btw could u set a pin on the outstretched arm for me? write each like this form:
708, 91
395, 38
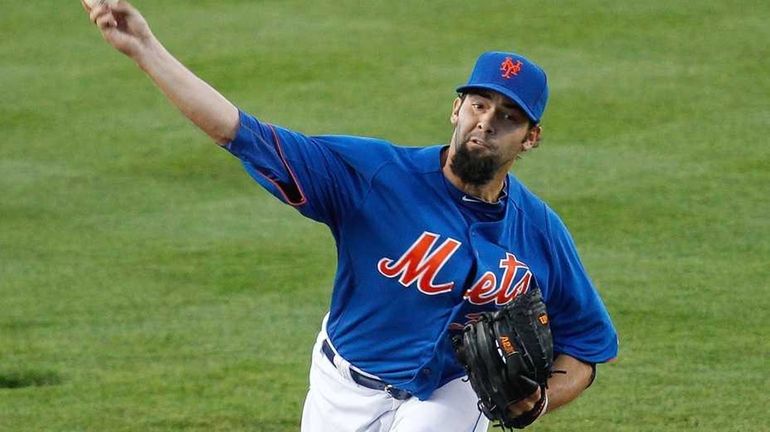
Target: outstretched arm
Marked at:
123, 27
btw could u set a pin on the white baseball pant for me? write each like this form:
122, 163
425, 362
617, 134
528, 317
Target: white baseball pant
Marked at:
335, 403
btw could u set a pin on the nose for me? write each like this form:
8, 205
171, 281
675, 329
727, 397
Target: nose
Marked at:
485, 122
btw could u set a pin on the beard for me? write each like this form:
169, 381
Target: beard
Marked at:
473, 169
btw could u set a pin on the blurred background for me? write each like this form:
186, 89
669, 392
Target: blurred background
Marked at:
147, 284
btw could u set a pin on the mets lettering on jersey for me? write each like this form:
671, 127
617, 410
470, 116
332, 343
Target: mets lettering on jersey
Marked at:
414, 263
420, 264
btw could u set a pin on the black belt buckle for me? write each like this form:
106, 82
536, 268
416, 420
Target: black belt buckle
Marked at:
396, 393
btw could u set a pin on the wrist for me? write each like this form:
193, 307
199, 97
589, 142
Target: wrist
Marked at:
149, 52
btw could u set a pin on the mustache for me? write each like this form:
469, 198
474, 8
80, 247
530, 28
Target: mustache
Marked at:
477, 139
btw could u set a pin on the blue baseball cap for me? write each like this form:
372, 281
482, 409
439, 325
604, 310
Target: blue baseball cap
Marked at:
515, 77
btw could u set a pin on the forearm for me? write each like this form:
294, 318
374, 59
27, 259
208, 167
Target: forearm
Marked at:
198, 101
565, 387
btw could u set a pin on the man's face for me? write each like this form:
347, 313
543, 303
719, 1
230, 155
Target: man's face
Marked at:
489, 133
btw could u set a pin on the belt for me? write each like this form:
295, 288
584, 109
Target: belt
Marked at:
365, 381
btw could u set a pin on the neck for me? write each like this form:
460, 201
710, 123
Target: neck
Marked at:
487, 192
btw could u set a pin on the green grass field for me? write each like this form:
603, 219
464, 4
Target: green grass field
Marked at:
147, 284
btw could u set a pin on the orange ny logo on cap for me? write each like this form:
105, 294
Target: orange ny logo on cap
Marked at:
509, 68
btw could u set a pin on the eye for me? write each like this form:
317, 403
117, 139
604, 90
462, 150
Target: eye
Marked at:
513, 118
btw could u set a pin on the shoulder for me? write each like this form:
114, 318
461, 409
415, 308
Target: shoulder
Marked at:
529, 206
357, 146
371, 154
537, 216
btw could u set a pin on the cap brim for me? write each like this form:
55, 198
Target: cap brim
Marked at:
503, 91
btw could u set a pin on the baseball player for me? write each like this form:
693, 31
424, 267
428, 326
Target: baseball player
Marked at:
427, 239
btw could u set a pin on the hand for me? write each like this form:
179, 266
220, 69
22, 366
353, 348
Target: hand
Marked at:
122, 26
525, 405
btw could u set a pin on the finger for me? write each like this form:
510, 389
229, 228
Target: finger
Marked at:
123, 7
520, 408
94, 4
98, 11
527, 404
106, 21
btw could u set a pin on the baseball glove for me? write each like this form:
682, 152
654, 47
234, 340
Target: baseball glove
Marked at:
508, 354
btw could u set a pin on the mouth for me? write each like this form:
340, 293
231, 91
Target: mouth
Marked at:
478, 142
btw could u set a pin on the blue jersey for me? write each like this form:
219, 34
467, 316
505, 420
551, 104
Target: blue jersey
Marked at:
416, 261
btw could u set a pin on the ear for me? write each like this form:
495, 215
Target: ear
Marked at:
455, 111
533, 137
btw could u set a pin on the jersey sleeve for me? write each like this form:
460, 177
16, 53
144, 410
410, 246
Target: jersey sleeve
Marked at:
580, 323
319, 176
